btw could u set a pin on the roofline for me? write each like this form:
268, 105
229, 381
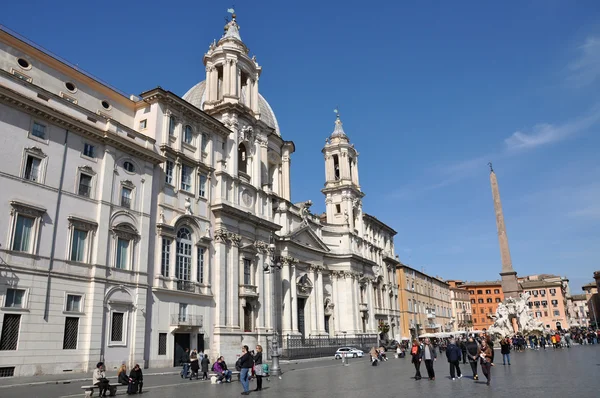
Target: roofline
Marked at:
381, 223
402, 265
36, 47
171, 95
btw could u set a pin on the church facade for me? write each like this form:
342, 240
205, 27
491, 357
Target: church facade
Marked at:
217, 255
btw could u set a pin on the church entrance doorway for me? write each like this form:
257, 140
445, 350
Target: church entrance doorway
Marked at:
301, 303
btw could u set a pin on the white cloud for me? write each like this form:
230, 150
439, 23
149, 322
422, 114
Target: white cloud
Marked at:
585, 70
543, 134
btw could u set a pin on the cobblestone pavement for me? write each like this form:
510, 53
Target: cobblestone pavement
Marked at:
549, 373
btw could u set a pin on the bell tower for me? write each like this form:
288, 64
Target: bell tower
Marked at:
231, 75
342, 191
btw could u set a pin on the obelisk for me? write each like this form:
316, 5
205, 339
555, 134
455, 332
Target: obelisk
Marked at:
510, 284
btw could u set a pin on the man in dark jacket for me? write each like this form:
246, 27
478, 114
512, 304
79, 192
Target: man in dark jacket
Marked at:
245, 363
453, 353
473, 352
463, 349
185, 361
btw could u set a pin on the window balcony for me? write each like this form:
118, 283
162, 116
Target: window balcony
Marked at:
431, 315
186, 320
186, 286
248, 291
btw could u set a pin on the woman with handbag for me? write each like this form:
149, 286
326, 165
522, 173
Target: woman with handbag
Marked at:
258, 369
486, 356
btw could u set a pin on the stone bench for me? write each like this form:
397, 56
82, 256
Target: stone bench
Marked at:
89, 390
233, 373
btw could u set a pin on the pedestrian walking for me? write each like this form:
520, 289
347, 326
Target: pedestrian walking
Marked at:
505, 351
486, 361
453, 354
415, 353
473, 352
429, 355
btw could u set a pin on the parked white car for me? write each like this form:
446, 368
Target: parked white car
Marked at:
349, 352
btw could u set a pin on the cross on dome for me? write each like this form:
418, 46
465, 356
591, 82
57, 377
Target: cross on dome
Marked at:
338, 131
232, 29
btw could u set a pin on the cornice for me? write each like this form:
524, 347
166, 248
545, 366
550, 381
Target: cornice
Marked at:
160, 95
14, 99
244, 215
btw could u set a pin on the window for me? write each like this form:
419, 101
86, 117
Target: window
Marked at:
202, 190
122, 253
480, 301
535, 293
553, 291
33, 168
74, 303
106, 105
472, 301
474, 320
165, 257
188, 134
554, 303
496, 291
71, 86
15, 298
143, 124
544, 303
128, 166
336, 167
538, 314
242, 158
23, 236
162, 344
543, 292
85, 185
89, 150
172, 124
183, 312
169, 172
480, 292
201, 252
38, 130
23, 63
488, 291
117, 326
126, 197
71, 332
184, 254
204, 142
10, 332
338, 210
78, 245
186, 178
471, 291
489, 300
498, 299
247, 272
536, 303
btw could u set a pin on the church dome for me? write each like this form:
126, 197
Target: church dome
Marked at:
197, 95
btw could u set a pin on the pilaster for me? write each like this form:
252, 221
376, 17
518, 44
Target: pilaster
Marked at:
294, 298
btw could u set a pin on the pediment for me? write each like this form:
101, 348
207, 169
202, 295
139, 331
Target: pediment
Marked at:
306, 237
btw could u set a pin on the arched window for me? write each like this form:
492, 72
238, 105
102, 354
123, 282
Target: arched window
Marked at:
172, 124
188, 135
336, 166
242, 158
184, 254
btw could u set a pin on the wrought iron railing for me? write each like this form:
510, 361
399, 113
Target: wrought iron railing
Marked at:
186, 320
298, 347
186, 286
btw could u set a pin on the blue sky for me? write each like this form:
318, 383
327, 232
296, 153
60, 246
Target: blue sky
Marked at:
429, 92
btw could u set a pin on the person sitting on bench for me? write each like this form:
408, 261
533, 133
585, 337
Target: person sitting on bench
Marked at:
122, 377
136, 380
226, 372
99, 379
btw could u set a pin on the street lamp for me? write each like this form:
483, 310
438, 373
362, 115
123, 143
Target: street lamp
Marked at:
272, 268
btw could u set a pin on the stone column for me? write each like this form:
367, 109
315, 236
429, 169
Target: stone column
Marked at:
320, 302
335, 298
314, 300
370, 305
344, 166
234, 272
285, 189
294, 300
220, 290
286, 326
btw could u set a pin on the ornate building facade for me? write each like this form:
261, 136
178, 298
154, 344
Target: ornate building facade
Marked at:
176, 210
